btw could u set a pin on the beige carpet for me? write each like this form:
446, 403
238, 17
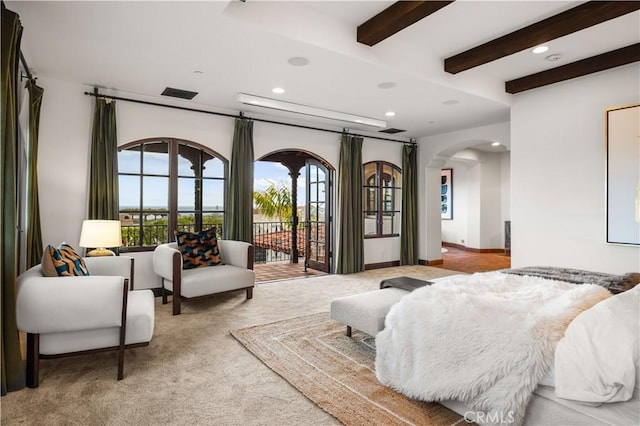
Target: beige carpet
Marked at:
193, 372
337, 372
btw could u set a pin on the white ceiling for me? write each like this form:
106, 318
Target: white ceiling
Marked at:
136, 49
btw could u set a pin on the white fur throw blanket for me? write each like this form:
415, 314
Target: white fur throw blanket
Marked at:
485, 339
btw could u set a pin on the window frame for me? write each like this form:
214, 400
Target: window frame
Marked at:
173, 209
379, 188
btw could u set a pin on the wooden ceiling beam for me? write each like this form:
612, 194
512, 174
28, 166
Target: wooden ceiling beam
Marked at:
395, 18
568, 22
605, 61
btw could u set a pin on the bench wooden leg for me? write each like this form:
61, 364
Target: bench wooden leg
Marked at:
349, 331
250, 293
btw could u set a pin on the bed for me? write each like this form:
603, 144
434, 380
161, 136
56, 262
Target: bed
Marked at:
475, 344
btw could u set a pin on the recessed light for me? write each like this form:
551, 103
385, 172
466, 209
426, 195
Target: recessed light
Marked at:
495, 144
390, 114
540, 49
298, 61
386, 85
553, 58
278, 90
451, 102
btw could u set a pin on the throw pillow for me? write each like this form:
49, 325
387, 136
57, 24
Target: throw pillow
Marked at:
198, 250
47, 266
64, 261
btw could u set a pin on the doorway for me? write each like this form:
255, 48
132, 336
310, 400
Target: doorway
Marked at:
303, 234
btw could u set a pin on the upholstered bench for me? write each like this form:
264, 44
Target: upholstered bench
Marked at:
366, 311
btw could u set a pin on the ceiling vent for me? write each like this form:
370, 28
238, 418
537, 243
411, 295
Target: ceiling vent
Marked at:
179, 93
392, 131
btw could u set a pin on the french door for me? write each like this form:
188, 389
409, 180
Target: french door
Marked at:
318, 216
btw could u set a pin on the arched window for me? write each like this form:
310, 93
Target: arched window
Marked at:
383, 199
166, 185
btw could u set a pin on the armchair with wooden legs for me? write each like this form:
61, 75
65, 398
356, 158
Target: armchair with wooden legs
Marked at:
65, 316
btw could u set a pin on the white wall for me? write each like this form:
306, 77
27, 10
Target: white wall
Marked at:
480, 199
558, 173
63, 160
491, 226
65, 130
505, 186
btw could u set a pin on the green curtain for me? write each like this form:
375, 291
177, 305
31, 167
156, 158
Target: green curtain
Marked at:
350, 253
13, 377
409, 224
34, 231
103, 176
239, 220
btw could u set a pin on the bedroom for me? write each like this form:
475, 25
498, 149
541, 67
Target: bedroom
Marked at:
554, 144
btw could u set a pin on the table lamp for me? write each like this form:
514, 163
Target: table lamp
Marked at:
99, 234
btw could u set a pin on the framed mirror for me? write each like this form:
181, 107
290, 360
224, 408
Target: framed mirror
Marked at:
622, 127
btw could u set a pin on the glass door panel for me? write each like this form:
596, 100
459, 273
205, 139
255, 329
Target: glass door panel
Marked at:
317, 205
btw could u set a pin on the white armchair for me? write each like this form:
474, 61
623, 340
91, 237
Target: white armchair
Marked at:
236, 272
76, 315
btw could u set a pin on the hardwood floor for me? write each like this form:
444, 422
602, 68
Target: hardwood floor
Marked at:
456, 259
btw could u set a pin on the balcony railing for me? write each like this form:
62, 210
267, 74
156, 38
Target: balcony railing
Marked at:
272, 241
152, 235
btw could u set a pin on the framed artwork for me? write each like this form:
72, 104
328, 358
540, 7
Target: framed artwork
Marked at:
623, 174
446, 194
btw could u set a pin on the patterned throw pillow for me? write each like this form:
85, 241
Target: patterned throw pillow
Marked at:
64, 261
198, 250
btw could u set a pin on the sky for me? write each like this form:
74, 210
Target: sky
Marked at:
266, 172
156, 188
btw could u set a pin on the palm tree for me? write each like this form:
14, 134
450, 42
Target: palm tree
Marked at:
275, 201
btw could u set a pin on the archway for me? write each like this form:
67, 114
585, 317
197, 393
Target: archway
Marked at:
307, 233
480, 172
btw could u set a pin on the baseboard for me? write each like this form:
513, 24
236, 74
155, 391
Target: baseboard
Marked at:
381, 265
474, 250
432, 262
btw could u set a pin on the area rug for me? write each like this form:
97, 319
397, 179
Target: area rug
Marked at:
337, 372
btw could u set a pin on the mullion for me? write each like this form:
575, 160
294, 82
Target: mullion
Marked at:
172, 220
140, 205
379, 170
199, 188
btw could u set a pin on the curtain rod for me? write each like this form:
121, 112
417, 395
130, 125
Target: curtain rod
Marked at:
240, 115
26, 69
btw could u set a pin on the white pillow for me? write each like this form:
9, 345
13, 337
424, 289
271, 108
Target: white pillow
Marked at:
598, 358
549, 379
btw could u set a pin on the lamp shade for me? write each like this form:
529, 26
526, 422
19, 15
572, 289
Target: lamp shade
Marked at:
101, 233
